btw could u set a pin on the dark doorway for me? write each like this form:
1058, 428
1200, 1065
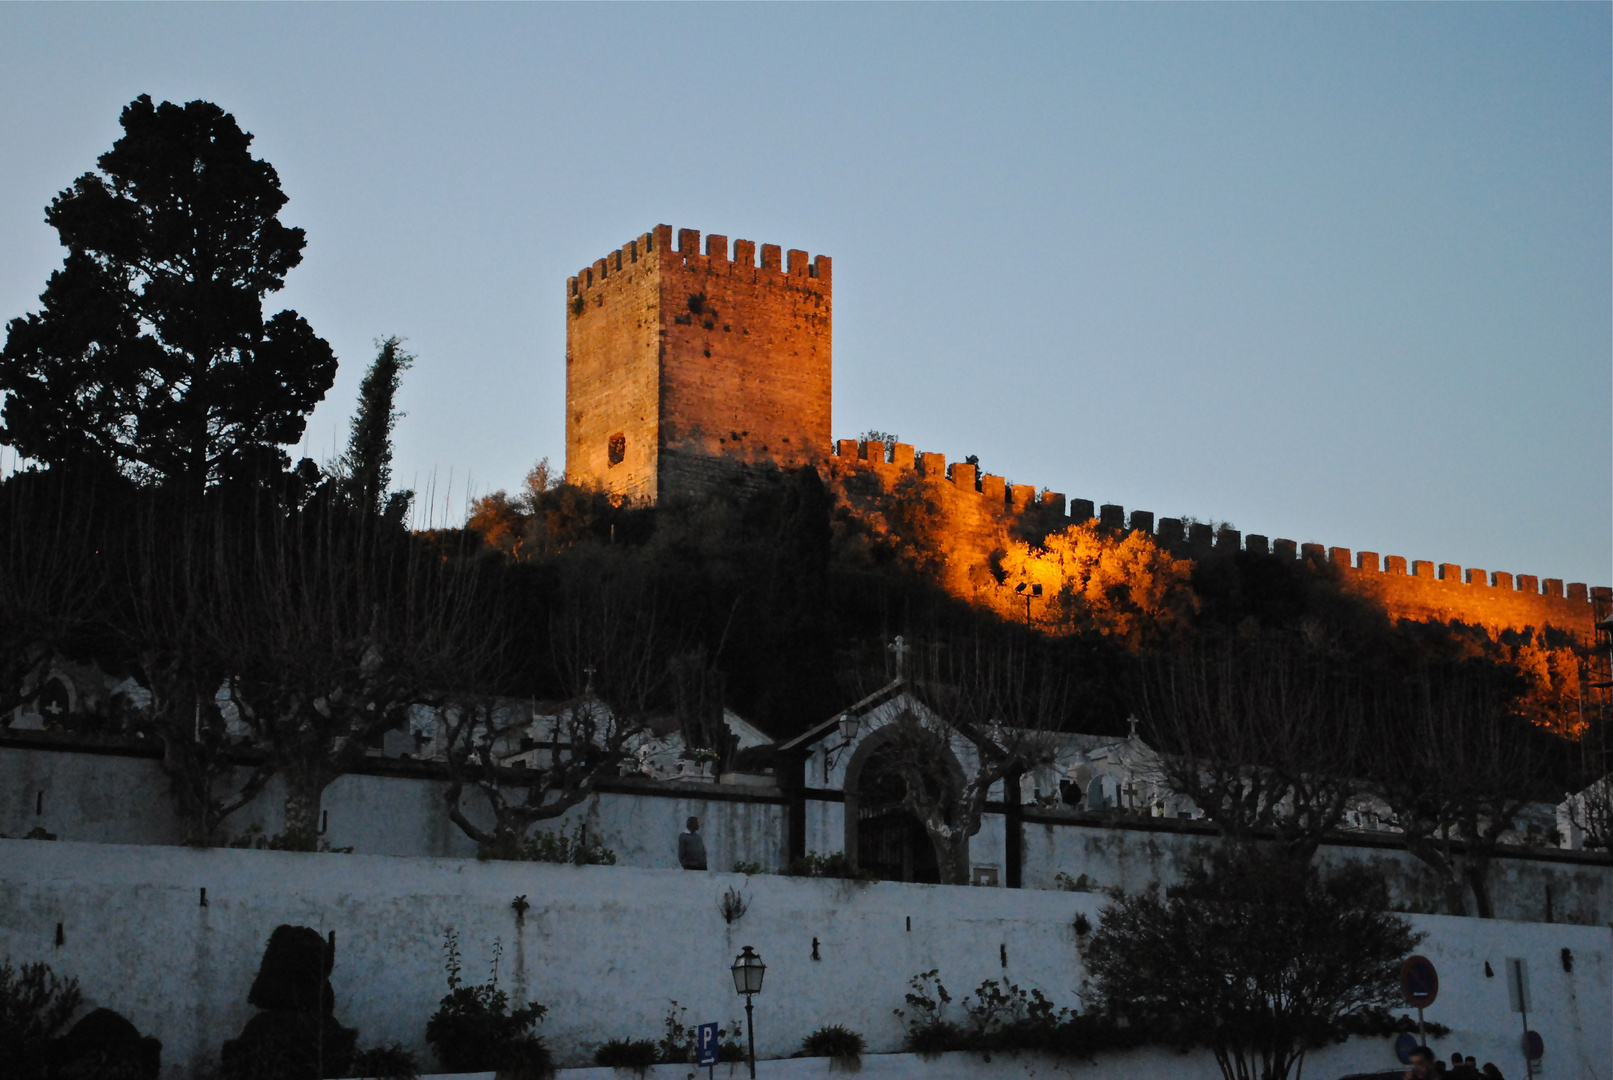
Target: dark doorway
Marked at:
891, 843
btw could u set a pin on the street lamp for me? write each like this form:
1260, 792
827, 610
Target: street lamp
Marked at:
748, 970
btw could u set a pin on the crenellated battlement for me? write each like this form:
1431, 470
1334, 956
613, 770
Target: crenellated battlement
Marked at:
1418, 588
690, 358
776, 263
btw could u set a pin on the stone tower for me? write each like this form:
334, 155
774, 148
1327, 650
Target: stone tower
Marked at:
682, 365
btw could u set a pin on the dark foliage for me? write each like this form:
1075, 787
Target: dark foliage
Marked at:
676, 1046
386, 1063
1256, 958
1001, 1017
545, 846
105, 1046
35, 1004
52, 578
475, 1030
637, 1054
365, 471
834, 865
151, 355
289, 1046
835, 1041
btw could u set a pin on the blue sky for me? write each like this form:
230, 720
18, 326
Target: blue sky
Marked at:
1339, 273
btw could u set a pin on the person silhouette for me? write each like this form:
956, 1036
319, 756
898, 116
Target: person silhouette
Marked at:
691, 849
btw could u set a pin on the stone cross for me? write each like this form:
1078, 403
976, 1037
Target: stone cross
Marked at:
899, 647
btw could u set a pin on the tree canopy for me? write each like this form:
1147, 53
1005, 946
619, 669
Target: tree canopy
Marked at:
365, 471
151, 355
1255, 957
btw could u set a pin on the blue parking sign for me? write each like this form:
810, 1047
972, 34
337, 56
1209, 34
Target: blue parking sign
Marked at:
706, 1044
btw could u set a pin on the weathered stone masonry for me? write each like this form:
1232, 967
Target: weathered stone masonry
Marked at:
680, 365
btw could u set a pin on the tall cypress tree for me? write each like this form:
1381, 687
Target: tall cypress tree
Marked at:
366, 468
152, 355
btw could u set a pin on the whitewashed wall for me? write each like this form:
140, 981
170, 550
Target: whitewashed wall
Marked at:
607, 947
108, 798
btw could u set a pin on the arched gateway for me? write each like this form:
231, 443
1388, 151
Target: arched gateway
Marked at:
882, 837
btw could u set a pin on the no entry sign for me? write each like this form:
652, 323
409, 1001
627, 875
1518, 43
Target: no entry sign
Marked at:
1419, 982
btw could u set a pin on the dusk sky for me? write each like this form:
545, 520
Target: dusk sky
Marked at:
1337, 273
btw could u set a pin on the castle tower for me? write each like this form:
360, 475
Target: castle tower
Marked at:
682, 365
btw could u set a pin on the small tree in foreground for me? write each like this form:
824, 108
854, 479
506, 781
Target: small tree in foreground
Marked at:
1256, 957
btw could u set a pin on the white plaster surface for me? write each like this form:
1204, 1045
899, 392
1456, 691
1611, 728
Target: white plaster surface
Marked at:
108, 798
606, 948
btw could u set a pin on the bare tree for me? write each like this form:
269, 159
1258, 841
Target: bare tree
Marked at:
51, 578
1456, 764
609, 645
172, 593
335, 626
1263, 733
993, 708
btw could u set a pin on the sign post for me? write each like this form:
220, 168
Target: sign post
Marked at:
706, 1046
1518, 995
1419, 985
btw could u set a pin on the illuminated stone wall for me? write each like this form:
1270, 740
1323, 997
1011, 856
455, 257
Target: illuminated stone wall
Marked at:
695, 362
965, 516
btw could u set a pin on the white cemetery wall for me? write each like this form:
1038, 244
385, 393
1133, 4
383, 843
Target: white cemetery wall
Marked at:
1129, 856
115, 798
607, 948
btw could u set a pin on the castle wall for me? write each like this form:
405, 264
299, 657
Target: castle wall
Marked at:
697, 360
969, 516
606, 948
613, 344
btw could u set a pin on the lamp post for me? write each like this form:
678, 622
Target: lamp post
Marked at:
1035, 592
748, 970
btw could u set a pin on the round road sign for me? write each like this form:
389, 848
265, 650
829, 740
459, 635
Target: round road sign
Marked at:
1404, 1045
1419, 982
1534, 1047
